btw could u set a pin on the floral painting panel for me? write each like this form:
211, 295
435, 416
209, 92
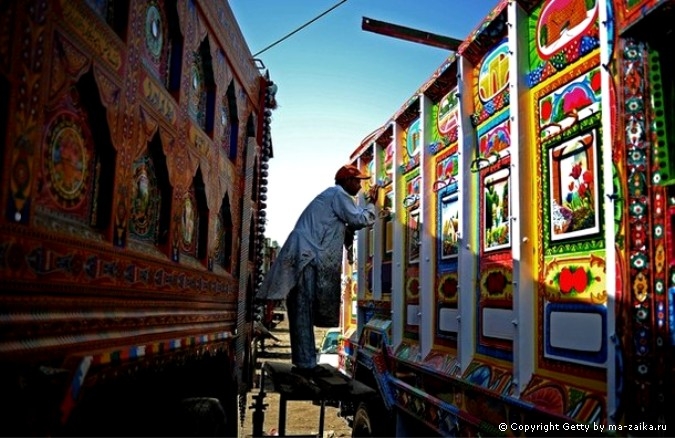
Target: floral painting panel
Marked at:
574, 187
387, 170
413, 236
449, 222
496, 211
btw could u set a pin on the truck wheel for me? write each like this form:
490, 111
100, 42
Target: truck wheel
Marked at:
364, 426
203, 416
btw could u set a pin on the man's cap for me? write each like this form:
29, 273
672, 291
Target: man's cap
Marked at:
349, 171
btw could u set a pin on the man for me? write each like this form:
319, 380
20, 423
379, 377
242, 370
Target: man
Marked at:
307, 270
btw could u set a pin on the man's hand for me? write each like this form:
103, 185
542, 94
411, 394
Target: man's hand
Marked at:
373, 194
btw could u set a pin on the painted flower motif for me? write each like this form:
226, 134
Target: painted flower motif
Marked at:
549, 398
484, 145
639, 261
595, 81
573, 279
579, 201
631, 53
633, 104
546, 109
576, 171
449, 287
495, 283
575, 99
636, 157
413, 287
637, 209
588, 177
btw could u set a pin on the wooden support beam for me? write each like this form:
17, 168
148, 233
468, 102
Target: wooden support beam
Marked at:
409, 34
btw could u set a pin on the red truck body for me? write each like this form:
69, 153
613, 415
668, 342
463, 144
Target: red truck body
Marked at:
135, 141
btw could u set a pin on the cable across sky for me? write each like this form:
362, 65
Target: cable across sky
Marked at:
300, 28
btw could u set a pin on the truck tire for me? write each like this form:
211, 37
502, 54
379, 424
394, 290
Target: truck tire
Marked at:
364, 426
202, 416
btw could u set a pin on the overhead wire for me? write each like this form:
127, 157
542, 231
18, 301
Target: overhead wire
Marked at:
300, 28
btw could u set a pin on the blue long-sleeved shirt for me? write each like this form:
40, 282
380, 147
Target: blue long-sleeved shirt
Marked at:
317, 238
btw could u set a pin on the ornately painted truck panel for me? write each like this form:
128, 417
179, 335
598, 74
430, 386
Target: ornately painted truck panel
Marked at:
135, 138
521, 270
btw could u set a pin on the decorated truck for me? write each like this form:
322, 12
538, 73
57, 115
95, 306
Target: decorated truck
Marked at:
135, 147
519, 279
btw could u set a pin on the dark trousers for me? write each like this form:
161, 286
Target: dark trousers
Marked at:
301, 319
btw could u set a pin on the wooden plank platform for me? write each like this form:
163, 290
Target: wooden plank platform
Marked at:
294, 386
335, 386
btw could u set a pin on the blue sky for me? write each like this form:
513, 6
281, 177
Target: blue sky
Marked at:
338, 83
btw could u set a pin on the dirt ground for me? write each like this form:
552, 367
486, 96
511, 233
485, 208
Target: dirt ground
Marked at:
302, 417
